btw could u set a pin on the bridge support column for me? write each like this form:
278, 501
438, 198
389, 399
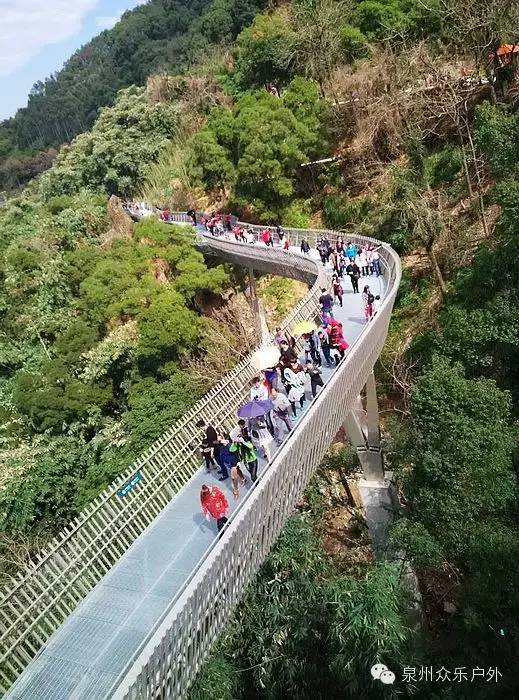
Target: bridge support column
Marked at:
253, 292
263, 331
363, 430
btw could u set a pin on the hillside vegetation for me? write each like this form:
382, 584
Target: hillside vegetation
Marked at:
103, 337
157, 35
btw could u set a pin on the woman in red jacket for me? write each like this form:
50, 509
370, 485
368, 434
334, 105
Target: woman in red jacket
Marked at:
214, 504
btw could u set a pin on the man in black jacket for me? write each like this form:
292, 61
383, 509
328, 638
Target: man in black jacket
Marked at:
353, 272
211, 438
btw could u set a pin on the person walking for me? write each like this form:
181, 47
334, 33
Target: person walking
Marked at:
214, 505
337, 341
238, 429
280, 234
363, 264
207, 453
271, 377
261, 437
376, 305
210, 444
353, 272
245, 448
325, 346
375, 262
258, 390
351, 251
337, 291
288, 355
312, 348
266, 237
315, 377
322, 250
342, 264
326, 301
367, 302
369, 258
280, 414
305, 247
227, 458
284, 337
327, 247
334, 261
295, 379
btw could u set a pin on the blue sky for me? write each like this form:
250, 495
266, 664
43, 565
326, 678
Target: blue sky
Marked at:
37, 36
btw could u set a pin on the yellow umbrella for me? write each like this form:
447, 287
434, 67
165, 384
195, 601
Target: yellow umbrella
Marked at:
304, 327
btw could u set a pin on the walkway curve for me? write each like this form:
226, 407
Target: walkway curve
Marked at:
40, 599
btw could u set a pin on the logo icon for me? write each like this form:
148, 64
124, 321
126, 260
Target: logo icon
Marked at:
380, 672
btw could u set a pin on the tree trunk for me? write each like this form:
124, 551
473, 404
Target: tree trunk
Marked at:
481, 205
436, 268
466, 166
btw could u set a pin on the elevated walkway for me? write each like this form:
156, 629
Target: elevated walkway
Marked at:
166, 584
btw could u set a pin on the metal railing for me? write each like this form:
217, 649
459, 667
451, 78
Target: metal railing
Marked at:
39, 599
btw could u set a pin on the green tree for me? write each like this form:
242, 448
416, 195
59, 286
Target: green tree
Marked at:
167, 328
317, 26
263, 53
211, 162
381, 20
266, 139
43, 498
55, 400
354, 44
154, 406
460, 448
113, 156
366, 626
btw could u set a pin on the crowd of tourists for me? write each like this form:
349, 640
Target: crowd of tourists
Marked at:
280, 392
284, 389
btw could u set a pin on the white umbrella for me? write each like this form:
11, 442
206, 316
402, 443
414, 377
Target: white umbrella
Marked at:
265, 357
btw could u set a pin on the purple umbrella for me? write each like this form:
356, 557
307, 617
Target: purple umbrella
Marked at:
255, 409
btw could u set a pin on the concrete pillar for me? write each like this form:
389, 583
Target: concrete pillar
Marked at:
361, 435
261, 321
373, 422
253, 291
353, 428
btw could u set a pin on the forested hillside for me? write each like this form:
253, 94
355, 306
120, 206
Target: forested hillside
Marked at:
158, 35
105, 334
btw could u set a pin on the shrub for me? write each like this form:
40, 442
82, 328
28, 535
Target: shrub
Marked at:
297, 214
354, 43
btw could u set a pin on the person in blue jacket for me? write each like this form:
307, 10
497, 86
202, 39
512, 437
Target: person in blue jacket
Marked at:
351, 251
228, 459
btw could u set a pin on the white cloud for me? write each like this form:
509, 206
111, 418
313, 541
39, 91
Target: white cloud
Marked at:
107, 21
26, 26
